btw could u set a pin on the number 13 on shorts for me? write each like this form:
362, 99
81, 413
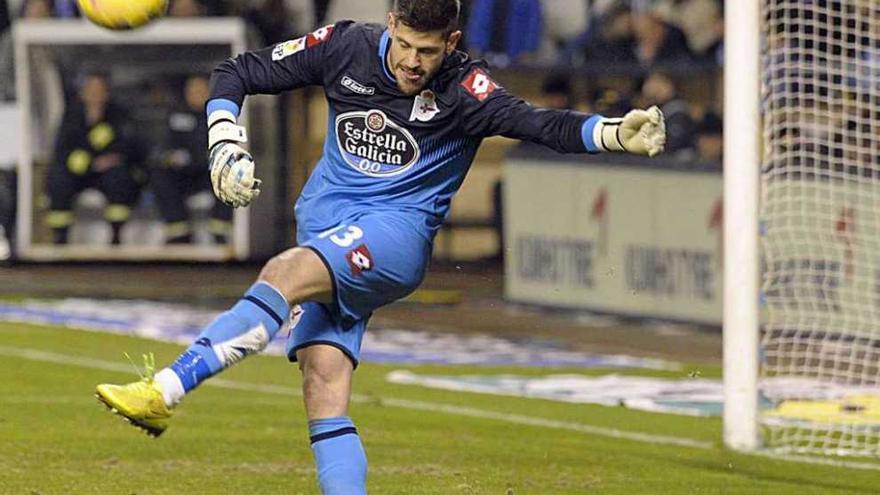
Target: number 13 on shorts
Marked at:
344, 235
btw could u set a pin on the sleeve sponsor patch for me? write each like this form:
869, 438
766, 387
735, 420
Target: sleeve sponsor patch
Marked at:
479, 84
287, 48
319, 35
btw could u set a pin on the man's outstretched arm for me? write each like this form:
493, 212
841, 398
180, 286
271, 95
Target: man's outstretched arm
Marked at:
287, 65
491, 111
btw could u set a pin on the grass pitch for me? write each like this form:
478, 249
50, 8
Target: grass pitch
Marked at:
248, 434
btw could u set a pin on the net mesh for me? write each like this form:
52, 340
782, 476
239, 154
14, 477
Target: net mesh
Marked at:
820, 226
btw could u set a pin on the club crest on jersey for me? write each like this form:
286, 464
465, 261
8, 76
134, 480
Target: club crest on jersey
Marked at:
424, 107
296, 313
374, 145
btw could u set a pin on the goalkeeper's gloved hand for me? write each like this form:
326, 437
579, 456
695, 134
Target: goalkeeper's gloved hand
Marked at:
232, 167
641, 132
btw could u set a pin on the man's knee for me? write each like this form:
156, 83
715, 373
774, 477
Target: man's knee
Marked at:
324, 366
281, 267
319, 380
299, 275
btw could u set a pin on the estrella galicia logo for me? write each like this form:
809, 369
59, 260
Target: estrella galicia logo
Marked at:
374, 145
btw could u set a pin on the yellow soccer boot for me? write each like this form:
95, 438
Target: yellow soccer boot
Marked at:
140, 403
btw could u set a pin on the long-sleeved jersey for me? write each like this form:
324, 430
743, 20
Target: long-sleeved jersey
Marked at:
384, 150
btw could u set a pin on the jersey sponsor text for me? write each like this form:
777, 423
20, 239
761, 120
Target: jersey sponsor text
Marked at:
374, 145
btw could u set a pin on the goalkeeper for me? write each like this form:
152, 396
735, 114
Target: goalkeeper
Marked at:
407, 114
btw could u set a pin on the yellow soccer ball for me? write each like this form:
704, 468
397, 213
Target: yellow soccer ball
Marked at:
122, 14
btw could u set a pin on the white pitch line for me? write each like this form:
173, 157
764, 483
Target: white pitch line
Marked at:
545, 423
71, 360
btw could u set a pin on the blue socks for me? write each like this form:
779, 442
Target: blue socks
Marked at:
245, 329
339, 456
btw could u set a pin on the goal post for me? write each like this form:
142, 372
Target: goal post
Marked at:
742, 160
802, 227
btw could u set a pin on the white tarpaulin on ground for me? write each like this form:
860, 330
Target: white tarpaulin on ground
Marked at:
688, 396
695, 397
181, 324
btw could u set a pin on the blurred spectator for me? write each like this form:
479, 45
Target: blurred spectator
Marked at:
611, 101
321, 8
5, 18
357, 10
710, 139
187, 8
556, 92
10, 132
657, 41
65, 9
216, 7
9, 110
30, 9
306, 15
659, 89
700, 20
7, 210
92, 151
609, 39
37, 8
272, 19
280, 20
504, 31
182, 171
564, 20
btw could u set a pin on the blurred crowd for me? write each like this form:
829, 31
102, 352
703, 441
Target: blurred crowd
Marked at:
644, 32
616, 55
97, 148
693, 128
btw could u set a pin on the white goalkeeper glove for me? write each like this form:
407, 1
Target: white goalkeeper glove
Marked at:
232, 167
640, 132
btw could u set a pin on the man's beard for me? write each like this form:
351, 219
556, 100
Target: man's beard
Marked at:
410, 86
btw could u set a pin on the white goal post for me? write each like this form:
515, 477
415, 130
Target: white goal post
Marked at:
741, 168
802, 227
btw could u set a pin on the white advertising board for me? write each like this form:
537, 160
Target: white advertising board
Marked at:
626, 240
821, 242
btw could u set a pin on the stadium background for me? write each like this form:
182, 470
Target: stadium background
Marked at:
521, 226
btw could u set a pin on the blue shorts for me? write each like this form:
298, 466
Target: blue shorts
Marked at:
373, 260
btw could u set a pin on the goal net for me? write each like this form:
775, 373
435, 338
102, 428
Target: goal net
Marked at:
820, 227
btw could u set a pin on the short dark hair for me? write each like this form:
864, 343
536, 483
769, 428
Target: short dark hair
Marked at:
428, 15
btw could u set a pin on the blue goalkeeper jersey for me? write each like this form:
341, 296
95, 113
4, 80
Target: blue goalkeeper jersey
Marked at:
384, 150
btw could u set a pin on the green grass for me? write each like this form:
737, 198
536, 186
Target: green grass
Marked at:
56, 439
